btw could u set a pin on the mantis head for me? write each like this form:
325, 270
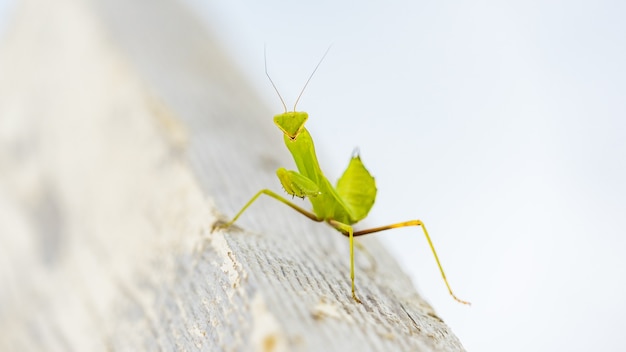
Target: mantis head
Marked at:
291, 123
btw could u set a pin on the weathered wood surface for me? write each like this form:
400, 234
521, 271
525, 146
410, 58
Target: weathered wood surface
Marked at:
125, 133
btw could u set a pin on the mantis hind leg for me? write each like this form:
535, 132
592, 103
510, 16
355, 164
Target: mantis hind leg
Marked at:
348, 231
275, 196
430, 243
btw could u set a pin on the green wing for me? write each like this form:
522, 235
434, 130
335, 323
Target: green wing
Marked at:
357, 189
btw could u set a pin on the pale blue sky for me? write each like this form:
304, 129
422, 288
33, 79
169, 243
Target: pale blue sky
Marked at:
500, 125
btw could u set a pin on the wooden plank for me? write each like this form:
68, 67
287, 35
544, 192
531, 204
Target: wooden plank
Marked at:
125, 134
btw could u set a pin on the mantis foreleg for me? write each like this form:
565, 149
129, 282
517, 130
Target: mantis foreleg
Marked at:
430, 243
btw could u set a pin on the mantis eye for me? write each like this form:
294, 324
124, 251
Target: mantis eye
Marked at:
291, 123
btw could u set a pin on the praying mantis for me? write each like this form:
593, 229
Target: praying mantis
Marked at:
340, 206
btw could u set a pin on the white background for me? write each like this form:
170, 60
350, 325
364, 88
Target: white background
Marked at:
501, 125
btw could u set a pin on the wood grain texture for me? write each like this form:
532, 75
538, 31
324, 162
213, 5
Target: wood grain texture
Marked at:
125, 134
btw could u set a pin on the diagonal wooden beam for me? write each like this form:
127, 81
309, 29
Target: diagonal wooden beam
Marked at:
125, 134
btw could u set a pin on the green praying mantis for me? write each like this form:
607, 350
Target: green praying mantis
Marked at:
340, 206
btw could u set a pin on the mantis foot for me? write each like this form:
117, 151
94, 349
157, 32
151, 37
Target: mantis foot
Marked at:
220, 225
356, 299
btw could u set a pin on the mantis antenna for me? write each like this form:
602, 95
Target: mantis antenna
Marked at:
270, 78
311, 76
303, 88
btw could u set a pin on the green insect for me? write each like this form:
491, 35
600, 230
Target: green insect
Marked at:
340, 206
